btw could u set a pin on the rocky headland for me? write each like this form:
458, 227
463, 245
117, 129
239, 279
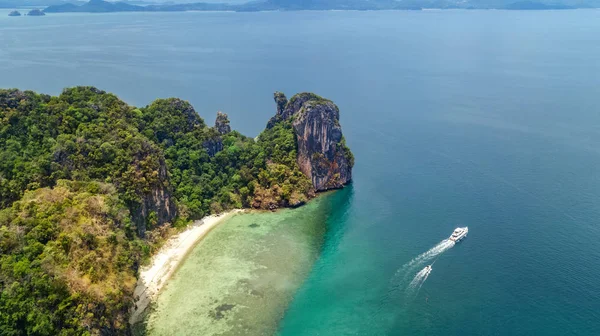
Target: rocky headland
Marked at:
100, 185
322, 151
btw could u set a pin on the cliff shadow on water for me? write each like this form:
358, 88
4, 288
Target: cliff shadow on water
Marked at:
241, 278
339, 205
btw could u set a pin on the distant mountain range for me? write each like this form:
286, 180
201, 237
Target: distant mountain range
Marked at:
531, 5
33, 3
95, 6
101, 6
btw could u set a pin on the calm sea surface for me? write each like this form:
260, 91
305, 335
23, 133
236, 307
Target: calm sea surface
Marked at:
489, 119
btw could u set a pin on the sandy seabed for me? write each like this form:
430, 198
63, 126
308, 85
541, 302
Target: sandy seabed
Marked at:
240, 278
164, 263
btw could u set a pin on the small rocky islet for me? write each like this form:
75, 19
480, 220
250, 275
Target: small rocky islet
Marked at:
36, 12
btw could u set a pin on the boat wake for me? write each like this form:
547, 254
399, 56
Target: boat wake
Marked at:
433, 252
415, 285
401, 278
404, 273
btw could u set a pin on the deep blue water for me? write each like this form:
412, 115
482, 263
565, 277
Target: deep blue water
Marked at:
489, 119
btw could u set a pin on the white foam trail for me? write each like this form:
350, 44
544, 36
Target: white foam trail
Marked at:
417, 282
418, 277
403, 273
433, 252
422, 282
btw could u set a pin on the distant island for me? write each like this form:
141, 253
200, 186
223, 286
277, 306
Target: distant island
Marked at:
16, 4
95, 6
101, 6
531, 5
14, 13
36, 12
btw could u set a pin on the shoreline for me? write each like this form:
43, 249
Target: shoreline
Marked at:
249, 269
165, 262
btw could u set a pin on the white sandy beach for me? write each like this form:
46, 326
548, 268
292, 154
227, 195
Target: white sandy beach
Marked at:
164, 263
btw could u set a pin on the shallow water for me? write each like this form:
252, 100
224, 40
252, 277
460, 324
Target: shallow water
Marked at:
240, 278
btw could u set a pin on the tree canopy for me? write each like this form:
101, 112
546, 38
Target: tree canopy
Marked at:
74, 171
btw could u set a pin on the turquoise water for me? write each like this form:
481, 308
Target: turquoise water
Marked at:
480, 118
241, 277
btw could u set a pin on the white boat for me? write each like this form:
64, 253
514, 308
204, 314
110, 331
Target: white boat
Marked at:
428, 268
459, 234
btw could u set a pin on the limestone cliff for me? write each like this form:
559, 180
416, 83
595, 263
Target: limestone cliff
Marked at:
222, 123
322, 154
213, 145
157, 206
281, 114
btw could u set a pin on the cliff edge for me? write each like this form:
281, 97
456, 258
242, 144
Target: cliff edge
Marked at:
322, 154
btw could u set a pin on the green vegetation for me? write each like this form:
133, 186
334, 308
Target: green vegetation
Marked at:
78, 170
68, 261
84, 134
281, 181
346, 151
243, 173
309, 96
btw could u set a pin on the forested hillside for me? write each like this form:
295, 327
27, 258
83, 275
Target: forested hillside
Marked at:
89, 185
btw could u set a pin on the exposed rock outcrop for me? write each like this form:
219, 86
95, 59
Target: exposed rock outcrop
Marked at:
222, 123
157, 206
281, 102
184, 111
213, 145
36, 12
322, 152
14, 13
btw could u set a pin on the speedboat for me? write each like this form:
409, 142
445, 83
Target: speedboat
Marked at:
428, 268
459, 234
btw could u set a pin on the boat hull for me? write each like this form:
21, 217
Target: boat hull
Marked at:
461, 236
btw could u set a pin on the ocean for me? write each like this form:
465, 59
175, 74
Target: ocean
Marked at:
485, 119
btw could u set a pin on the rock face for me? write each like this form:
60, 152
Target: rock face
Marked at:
157, 206
222, 123
281, 114
281, 101
213, 145
322, 152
